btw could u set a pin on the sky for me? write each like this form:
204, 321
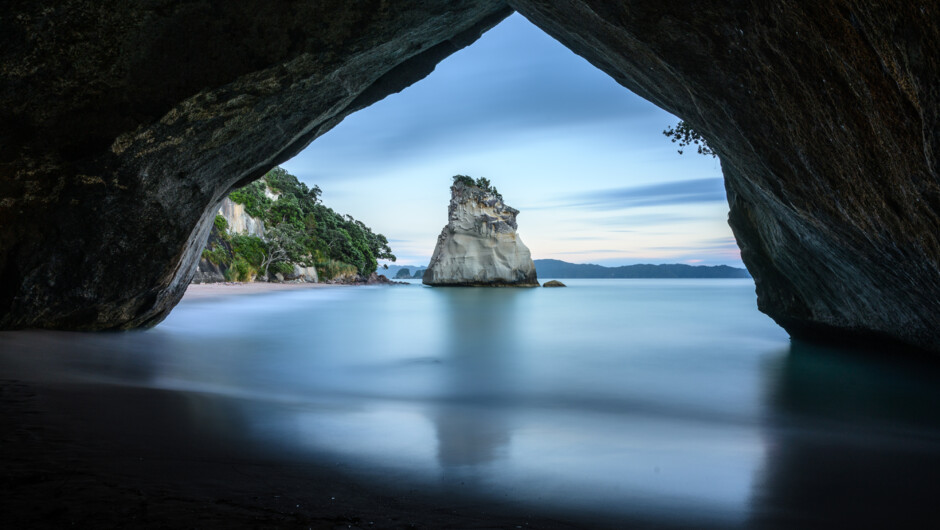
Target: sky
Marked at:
583, 159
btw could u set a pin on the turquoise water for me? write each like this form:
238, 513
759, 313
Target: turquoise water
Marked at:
672, 401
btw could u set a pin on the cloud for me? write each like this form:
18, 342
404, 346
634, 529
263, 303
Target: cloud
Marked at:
581, 238
716, 244
667, 193
595, 251
643, 219
690, 260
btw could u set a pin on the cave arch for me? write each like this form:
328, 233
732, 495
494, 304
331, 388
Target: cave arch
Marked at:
125, 123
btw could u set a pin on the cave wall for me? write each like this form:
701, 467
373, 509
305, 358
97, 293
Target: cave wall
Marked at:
124, 123
825, 118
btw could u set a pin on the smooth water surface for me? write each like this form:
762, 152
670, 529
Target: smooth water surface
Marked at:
669, 400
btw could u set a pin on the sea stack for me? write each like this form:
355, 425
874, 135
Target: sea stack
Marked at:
479, 246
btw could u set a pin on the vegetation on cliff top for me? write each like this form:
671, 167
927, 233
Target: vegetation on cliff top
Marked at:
299, 229
481, 183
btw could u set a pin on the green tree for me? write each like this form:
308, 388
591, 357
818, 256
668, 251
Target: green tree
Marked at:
283, 246
220, 224
464, 179
250, 248
286, 209
252, 197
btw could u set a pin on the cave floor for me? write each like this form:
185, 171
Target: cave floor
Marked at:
60, 469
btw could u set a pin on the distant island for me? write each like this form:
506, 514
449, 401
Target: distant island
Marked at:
553, 268
404, 273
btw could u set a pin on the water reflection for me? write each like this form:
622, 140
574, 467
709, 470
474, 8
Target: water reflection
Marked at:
478, 364
855, 441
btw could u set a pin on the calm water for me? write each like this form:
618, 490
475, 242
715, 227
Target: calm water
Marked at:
674, 401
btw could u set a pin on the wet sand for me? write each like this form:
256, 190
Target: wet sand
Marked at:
106, 456
117, 457
98, 455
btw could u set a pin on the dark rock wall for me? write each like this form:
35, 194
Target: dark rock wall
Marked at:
825, 116
125, 122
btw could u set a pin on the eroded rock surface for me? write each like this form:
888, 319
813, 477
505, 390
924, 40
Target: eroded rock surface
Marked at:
124, 123
479, 245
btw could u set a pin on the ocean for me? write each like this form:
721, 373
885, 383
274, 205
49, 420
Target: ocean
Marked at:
669, 402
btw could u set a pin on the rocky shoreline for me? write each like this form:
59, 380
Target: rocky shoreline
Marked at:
359, 279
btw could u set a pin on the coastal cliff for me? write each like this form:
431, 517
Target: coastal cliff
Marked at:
479, 245
276, 229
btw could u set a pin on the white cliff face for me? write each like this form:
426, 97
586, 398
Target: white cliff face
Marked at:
271, 194
240, 222
479, 246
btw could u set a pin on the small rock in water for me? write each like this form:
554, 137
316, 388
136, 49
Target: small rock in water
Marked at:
554, 283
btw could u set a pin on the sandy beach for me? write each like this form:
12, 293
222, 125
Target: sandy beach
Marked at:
203, 291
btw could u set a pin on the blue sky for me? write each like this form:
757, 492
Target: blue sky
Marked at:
582, 157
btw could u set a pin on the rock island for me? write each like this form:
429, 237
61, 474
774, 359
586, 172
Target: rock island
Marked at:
479, 246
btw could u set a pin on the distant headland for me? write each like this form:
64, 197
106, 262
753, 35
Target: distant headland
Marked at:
553, 268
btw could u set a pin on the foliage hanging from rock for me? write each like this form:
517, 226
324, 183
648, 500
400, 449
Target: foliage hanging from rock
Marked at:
685, 136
